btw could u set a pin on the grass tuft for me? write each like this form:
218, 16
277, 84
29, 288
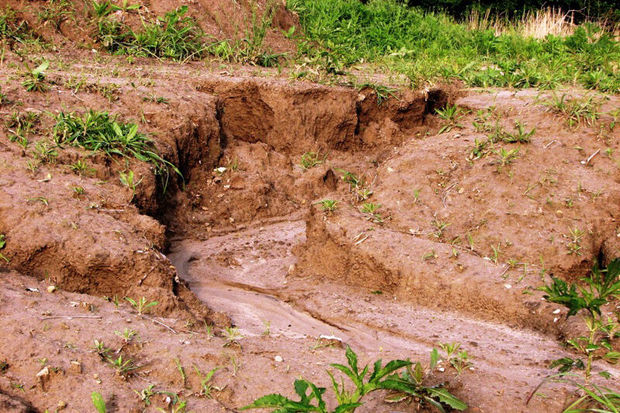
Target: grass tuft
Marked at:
98, 131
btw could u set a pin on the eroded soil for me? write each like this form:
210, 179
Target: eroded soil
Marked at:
455, 254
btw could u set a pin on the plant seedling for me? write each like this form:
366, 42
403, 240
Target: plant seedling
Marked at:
232, 336
146, 394
574, 243
311, 159
520, 135
451, 114
506, 157
205, 382
123, 367
127, 334
328, 205
141, 305
101, 349
35, 78
129, 181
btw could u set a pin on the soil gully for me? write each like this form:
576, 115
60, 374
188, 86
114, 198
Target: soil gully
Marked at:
246, 274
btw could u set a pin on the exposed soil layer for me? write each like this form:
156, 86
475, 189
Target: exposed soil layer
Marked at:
453, 252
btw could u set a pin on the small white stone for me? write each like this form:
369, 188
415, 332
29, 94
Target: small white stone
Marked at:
441, 369
508, 286
555, 319
557, 311
278, 359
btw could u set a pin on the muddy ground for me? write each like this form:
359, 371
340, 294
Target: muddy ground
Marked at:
454, 253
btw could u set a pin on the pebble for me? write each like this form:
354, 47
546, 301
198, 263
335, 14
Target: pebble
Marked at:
508, 286
278, 359
556, 311
51, 289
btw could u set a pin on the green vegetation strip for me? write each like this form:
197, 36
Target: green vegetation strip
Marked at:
426, 46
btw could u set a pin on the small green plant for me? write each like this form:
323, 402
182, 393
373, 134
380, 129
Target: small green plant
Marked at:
157, 99
55, 13
128, 179
142, 305
146, 394
381, 91
181, 371
520, 134
311, 159
123, 367
328, 205
2, 245
440, 227
479, 150
81, 168
601, 287
98, 402
35, 78
101, 349
574, 244
205, 382
370, 209
451, 115
102, 9
44, 152
408, 385
506, 157
232, 336
78, 191
127, 334
20, 125
457, 359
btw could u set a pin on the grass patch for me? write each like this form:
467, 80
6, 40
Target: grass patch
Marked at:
429, 46
98, 131
173, 36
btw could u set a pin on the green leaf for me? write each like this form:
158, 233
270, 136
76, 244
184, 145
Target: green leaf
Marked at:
349, 407
98, 402
301, 386
605, 374
352, 359
448, 398
117, 129
348, 373
41, 68
612, 357
434, 358
391, 367
277, 400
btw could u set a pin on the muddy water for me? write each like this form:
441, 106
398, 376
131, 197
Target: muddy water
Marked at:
246, 275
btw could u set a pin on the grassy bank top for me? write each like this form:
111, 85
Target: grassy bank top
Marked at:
428, 46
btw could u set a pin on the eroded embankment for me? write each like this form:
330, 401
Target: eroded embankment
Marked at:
85, 230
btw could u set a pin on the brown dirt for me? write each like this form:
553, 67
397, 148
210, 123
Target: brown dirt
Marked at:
241, 239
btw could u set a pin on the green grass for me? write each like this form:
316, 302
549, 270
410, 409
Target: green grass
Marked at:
428, 47
173, 36
98, 131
